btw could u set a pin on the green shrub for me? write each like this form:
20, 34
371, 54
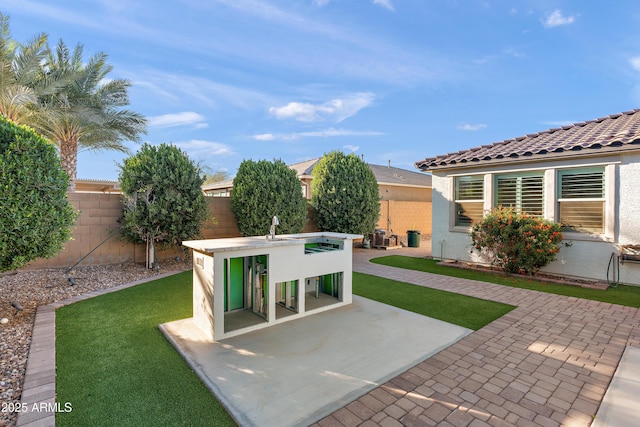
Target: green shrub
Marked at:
162, 197
37, 218
264, 189
515, 241
344, 192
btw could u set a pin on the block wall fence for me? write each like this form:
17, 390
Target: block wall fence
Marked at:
100, 214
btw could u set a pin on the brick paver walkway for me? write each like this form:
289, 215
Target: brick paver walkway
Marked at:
546, 363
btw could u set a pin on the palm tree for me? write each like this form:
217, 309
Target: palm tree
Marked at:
20, 66
86, 112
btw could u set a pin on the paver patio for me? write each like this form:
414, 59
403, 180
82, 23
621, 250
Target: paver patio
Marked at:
546, 363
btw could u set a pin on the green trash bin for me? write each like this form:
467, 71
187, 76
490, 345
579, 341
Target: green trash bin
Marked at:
413, 238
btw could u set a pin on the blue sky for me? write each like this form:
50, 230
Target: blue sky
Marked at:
227, 80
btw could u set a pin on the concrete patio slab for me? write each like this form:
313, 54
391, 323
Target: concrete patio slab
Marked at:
295, 373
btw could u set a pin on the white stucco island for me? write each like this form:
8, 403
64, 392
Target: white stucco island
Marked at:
247, 283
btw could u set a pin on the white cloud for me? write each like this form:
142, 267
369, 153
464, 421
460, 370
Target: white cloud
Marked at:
556, 18
332, 132
352, 148
470, 127
178, 119
178, 87
202, 148
325, 133
302, 112
265, 137
335, 110
635, 63
386, 4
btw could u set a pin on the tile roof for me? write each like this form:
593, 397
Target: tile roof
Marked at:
614, 133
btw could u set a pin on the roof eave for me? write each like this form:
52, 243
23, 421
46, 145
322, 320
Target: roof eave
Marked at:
565, 155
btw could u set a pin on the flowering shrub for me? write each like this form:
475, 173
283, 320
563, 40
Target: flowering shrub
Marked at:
515, 241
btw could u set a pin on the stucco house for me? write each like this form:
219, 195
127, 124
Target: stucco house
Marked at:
585, 176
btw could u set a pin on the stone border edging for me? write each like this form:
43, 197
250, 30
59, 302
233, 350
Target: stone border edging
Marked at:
39, 386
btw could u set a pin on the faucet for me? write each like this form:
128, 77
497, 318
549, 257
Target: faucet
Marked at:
272, 230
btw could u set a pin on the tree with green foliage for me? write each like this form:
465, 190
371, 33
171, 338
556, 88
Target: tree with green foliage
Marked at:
162, 197
87, 111
37, 218
264, 189
344, 192
20, 65
516, 241
70, 101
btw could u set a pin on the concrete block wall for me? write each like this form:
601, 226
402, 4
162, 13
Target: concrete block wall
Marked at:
405, 215
100, 213
225, 224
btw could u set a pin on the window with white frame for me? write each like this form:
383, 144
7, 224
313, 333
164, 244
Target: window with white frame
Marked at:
581, 200
522, 192
469, 199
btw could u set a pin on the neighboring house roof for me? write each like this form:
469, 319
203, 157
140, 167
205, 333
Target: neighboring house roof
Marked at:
614, 133
388, 175
304, 169
227, 183
395, 176
97, 186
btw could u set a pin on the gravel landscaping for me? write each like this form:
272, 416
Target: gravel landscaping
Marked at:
30, 289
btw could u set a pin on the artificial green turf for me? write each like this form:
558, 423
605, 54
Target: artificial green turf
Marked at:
461, 310
116, 368
623, 295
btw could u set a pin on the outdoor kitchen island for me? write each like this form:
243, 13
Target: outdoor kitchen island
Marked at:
248, 283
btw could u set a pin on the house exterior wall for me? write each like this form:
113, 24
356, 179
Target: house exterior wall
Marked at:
629, 200
588, 256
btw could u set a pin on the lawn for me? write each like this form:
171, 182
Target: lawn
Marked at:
623, 295
461, 310
116, 368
